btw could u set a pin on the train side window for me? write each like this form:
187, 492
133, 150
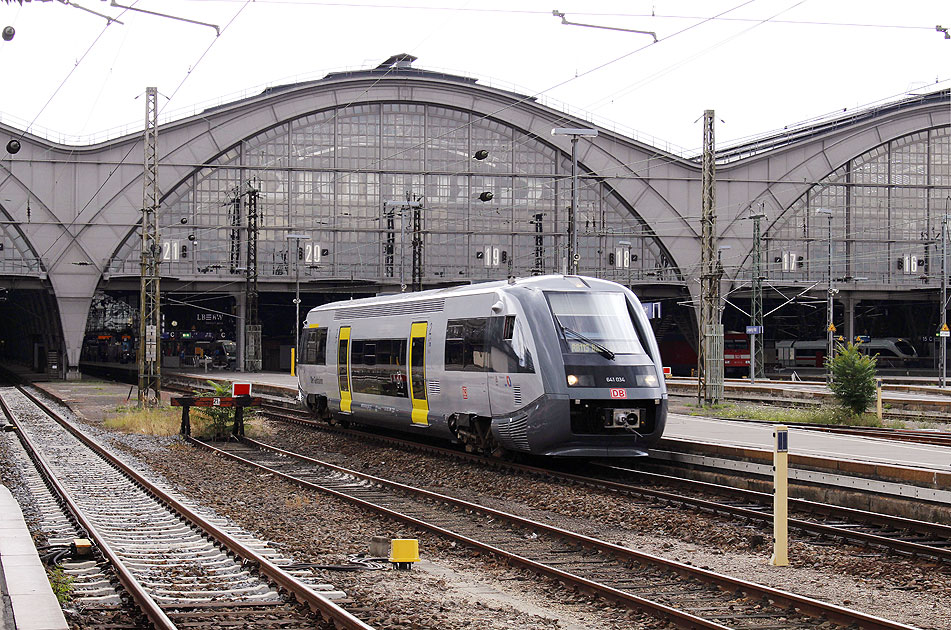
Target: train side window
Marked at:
377, 367
320, 346
508, 350
455, 345
356, 352
313, 347
466, 345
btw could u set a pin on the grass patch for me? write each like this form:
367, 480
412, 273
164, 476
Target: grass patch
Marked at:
146, 421
819, 415
167, 421
62, 584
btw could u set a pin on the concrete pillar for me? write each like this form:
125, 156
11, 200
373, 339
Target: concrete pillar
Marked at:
850, 303
240, 299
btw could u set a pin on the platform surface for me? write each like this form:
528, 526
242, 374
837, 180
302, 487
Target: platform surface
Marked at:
807, 442
28, 602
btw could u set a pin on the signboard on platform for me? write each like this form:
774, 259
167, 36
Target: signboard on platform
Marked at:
754, 330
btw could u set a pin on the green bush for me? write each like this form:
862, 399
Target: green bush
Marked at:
220, 417
853, 378
61, 583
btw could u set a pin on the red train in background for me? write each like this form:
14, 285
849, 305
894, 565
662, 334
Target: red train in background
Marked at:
679, 355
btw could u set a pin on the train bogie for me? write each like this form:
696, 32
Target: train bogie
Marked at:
554, 365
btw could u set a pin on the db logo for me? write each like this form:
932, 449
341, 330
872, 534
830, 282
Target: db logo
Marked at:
618, 393
465, 393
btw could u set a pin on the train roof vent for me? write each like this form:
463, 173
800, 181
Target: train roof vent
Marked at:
388, 310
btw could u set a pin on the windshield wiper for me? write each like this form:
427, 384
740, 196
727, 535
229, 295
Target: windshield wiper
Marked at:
603, 351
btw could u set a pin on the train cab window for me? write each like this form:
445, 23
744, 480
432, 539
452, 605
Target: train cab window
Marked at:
906, 348
466, 345
601, 317
313, 347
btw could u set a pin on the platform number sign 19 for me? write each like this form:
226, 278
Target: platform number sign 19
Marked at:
491, 256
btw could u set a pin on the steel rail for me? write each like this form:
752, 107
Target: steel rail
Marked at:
149, 607
726, 583
682, 618
801, 504
886, 520
318, 603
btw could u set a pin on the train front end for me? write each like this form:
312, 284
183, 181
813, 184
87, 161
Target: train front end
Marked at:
605, 390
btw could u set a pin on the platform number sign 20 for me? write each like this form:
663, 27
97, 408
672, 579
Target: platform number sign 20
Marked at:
311, 252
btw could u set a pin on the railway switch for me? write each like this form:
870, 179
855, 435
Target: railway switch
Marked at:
404, 552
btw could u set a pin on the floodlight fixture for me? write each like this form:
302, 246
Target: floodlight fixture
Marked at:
574, 131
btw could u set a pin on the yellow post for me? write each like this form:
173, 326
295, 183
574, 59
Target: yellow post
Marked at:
780, 496
878, 397
293, 362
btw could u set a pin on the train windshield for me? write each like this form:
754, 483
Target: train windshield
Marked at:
595, 322
906, 348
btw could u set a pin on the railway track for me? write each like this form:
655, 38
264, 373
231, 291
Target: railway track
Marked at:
919, 436
687, 596
179, 569
819, 522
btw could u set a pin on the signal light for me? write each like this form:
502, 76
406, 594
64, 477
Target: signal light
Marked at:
13, 147
481, 154
8, 33
486, 196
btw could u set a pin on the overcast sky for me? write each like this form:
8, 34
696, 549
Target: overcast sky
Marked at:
761, 64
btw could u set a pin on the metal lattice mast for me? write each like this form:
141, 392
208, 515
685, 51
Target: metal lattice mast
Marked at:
234, 214
252, 324
417, 243
710, 357
149, 350
539, 267
756, 311
943, 331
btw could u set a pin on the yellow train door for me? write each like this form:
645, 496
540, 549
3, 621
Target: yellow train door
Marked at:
343, 368
417, 366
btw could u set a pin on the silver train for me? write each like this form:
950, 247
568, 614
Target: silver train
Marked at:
549, 365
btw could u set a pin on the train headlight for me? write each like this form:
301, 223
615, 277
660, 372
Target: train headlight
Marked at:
580, 380
650, 380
